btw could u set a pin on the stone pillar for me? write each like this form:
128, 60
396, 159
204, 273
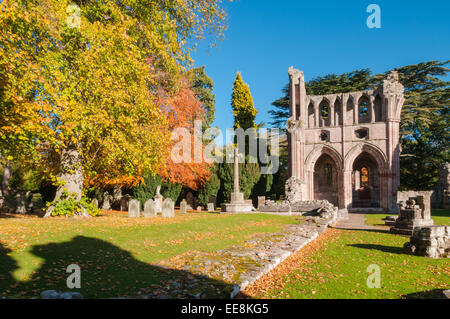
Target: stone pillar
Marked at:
236, 171
348, 192
372, 109
355, 111
331, 115
316, 115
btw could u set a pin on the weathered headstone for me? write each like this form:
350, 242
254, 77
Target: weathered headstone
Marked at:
183, 207
29, 199
106, 201
210, 207
158, 200
150, 209
134, 208
124, 202
95, 202
190, 200
199, 209
21, 203
168, 208
117, 196
213, 199
261, 201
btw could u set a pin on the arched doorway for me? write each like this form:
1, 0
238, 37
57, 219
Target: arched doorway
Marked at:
326, 179
365, 182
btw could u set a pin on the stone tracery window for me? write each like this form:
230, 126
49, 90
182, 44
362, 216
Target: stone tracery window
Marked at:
363, 108
324, 111
364, 177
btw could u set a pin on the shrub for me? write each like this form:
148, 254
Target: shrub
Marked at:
68, 206
211, 187
147, 189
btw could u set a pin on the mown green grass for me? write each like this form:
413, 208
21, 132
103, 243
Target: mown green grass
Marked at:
439, 216
339, 269
117, 255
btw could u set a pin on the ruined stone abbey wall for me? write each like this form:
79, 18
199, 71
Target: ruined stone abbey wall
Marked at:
345, 147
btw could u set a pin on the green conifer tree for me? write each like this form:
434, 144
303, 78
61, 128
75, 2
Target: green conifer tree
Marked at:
242, 103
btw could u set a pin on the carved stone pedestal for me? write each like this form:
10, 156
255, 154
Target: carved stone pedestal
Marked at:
414, 213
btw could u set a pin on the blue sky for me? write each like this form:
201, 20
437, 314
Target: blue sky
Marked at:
265, 37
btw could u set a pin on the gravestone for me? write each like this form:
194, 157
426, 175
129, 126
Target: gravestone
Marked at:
190, 200
158, 200
213, 199
199, 209
95, 202
183, 207
150, 209
210, 207
134, 208
21, 203
124, 202
168, 208
261, 201
106, 201
29, 199
116, 198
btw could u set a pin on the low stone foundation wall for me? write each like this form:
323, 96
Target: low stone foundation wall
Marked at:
238, 266
431, 241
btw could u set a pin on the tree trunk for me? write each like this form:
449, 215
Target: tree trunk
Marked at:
6, 179
71, 176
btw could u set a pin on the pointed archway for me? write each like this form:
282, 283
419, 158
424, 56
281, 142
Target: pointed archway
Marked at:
326, 180
365, 182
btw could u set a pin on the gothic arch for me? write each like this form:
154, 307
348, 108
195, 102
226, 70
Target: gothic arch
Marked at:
314, 155
369, 148
312, 159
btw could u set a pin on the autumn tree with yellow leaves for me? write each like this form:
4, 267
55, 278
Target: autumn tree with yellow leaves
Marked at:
80, 84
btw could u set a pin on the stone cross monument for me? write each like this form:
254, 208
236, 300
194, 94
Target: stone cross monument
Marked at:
237, 204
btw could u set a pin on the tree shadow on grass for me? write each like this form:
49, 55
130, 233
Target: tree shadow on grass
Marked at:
107, 271
7, 267
386, 249
427, 294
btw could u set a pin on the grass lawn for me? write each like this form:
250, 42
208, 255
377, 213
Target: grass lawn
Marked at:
117, 255
337, 268
439, 216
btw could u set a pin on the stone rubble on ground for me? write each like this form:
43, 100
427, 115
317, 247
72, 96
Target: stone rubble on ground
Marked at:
431, 242
224, 273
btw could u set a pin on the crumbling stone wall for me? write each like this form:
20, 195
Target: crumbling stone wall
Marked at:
431, 241
403, 196
441, 194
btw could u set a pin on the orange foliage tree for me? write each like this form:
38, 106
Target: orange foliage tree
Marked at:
182, 110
